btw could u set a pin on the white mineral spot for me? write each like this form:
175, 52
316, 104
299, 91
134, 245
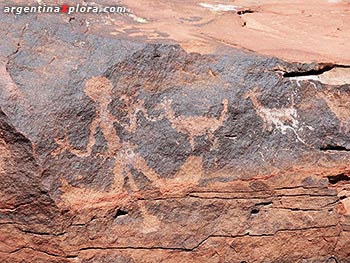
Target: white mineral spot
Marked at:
137, 18
220, 7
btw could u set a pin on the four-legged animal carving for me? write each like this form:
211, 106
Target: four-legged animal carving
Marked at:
282, 118
194, 125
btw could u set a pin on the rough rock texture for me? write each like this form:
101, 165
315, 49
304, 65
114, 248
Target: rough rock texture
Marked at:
116, 150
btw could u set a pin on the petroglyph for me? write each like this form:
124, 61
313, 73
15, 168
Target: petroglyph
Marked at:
125, 159
133, 108
339, 104
194, 126
281, 119
82, 198
124, 154
99, 89
189, 174
272, 116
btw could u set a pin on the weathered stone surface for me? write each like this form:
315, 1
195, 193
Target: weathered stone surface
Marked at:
113, 149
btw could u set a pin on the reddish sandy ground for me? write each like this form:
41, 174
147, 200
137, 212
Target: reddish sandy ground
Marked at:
295, 30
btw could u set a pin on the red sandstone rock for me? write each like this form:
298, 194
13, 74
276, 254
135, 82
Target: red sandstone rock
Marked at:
114, 149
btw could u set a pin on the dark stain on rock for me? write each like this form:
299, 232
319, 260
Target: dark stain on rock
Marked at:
97, 175
21, 190
100, 146
143, 183
79, 123
149, 69
164, 149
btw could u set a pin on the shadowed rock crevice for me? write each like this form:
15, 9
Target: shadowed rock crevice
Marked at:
121, 213
339, 178
334, 148
320, 69
331, 74
245, 11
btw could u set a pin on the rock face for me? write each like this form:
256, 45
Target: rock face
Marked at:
116, 150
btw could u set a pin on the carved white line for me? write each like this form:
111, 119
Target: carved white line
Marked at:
274, 118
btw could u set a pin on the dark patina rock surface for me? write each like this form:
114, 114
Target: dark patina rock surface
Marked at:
117, 150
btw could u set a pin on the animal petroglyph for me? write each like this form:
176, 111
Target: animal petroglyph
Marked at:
194, 125
272, 116
282, 119
339, 104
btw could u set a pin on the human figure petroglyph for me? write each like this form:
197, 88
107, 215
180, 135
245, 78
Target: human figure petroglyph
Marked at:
99, 89
339, 104
125, 159
282, 119
194, 125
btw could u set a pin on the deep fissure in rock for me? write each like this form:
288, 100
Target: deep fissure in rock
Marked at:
338, 178
247, 11
334, 148
313, 72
